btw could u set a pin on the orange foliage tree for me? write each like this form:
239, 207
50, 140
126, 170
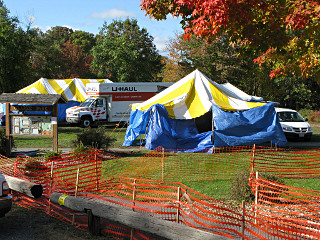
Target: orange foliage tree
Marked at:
285, 32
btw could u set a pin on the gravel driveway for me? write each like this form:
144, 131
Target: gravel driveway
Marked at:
21, 223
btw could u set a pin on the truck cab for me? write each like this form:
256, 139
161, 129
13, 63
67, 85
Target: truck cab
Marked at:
111, 102
90, 111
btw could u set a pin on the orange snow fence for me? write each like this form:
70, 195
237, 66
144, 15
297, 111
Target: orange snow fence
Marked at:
155, 184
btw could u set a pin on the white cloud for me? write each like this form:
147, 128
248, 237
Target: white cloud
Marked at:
32, 19
113, 13
43, 29
46, 28
161, 43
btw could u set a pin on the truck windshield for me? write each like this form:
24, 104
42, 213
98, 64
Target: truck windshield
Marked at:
87, 102
290, 117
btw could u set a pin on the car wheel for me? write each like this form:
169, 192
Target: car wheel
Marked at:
86, 122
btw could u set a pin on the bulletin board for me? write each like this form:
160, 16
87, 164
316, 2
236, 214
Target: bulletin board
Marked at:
32, 125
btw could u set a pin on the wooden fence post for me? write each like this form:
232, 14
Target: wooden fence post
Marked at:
253, 156
178, 207
134, 194
76, 194
243, 218
97, 178
162, 164
93, 223
256, 197
51, 183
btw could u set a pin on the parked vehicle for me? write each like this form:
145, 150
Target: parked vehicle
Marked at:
294, 125
110, 102
5, 198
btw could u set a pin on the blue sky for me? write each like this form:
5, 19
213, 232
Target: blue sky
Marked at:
89, 16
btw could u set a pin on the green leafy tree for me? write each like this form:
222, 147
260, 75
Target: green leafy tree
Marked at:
15, 47
126, 53
86, 41
220, 60
284, 32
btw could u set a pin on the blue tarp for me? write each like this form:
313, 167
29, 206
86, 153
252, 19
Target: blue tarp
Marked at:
254, 126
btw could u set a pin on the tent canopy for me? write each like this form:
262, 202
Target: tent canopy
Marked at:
193, 96
71, 89
169, 119
74, 90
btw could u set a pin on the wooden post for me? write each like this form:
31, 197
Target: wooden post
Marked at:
8, 137
253, 156
55, 127
76, 194
178, 207
23, 186
134, 194
136, 220
51, 183
256, 197
93, 223
162, 164
97, 178
243, 218
77, 183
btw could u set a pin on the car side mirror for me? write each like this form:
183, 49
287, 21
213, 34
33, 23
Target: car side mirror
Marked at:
306, 119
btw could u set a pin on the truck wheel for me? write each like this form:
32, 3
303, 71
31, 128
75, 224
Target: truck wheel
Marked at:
86, 122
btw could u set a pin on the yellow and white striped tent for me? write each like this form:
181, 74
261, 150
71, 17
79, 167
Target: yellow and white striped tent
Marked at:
72, 89
193, 96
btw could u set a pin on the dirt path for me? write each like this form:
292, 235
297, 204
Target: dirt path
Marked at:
21, 224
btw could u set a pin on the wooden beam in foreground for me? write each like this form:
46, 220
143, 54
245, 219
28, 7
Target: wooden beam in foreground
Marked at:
23, 186
136, 220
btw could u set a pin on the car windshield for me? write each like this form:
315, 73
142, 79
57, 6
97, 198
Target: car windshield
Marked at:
87, 102
290, 117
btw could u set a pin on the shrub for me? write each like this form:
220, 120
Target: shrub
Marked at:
241, 191
93, 138
314, 116
52, 154
80, 148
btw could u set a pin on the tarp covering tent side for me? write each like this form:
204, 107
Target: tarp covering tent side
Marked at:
74, 90
170, 116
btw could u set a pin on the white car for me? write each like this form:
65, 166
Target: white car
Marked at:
5, 198
293, 124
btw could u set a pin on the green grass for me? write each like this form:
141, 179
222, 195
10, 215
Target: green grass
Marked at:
217, 189
66, 136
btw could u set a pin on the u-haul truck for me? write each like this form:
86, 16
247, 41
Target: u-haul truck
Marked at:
110, 102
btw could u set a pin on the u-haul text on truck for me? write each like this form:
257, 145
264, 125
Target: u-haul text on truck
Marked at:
110, 102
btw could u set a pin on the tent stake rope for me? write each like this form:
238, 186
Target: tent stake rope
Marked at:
117, 125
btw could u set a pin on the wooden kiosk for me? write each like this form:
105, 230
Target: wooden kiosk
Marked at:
24, 119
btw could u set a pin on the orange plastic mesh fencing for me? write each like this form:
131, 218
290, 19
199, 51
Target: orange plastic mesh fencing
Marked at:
6, 165
164, 165
287, 163
101, 177
287, 212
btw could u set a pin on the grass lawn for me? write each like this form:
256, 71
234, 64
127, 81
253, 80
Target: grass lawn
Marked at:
66, 136
218, 189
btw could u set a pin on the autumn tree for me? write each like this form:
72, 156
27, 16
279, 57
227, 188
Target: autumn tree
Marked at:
75, 63
284, 32
126, 53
